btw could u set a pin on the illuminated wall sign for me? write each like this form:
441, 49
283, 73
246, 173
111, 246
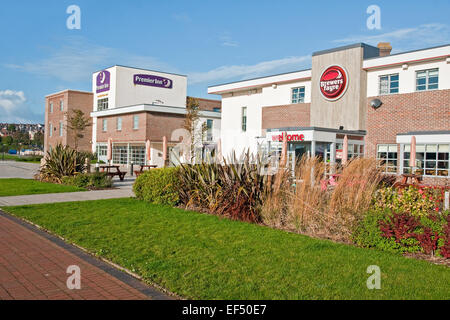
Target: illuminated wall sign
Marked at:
152, 81
290, 137
333, 83
103, 81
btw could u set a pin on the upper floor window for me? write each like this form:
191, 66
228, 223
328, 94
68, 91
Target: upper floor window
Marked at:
427, 79
61, 105
389, 84
102, 104
105, 125
244, 119
135, 122
216, 109
51, 107
119, 123
298, 95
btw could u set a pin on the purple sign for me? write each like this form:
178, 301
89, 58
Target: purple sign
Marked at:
152, 81
103, 81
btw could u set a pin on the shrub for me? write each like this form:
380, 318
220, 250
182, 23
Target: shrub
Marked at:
97, 180
236, 189
158, 186
403, 232
61, 161
419, 202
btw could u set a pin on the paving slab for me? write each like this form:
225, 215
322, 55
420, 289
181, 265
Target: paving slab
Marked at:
34, 265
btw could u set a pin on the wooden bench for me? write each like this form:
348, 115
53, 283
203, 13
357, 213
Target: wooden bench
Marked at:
112, 174
141, 171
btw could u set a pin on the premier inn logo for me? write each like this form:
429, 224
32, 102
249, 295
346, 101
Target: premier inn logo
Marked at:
333, 83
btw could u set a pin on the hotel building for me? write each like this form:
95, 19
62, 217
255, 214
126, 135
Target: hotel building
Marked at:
377, 99
132, 105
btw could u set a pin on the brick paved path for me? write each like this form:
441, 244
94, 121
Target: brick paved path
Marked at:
33, 265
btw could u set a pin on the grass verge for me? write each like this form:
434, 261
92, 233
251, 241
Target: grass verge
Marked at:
16, 187
205, 257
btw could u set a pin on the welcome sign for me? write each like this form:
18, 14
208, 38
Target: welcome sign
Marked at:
103, 81
152, 81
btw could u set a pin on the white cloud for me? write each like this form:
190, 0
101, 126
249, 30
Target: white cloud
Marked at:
246, 71
13, 108
78, 58
227, 40
407, 38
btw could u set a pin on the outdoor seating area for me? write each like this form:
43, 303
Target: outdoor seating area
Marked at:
143, 169
113, 171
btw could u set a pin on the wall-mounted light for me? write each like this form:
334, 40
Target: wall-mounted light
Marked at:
274, 86
405, 66
376, 103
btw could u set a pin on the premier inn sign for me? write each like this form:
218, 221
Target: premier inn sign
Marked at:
103, 81
152, 81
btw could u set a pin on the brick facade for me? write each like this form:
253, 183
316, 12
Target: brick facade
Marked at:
71, 100
291, 115
209, 104
402, 113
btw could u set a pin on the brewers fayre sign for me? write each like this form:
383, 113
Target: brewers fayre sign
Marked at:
333, 83
152, 81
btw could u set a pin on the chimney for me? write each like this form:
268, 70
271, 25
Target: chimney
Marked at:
385, 49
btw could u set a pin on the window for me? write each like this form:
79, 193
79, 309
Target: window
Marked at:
105, 125
389, 84
50, 130
216, 109
387, 157
102, 151
209, 132
102, 104
298, 95
244, 119
135, 122
119, 124
51, 107
60, 129
427, 79
61, 105
137, 155
120, 155
431, 159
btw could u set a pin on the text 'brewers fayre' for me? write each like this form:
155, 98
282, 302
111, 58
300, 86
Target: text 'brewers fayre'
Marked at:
333, 82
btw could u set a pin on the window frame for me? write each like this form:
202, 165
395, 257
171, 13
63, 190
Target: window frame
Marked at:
104, 125
300, 95
136, 122
389, 81
61, 105
102, 104
61, 129
427, 80
244, 119
119, 123
386, 167
424, 169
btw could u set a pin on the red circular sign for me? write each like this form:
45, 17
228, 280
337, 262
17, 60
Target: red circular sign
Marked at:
333, 82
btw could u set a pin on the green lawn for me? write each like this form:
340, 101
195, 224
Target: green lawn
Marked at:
205, 257
16, 187
29, 159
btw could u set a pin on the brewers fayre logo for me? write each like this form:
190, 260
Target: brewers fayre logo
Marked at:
333, 82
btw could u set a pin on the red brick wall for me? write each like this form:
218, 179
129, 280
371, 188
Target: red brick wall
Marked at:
401, 113
208, 104
291, 115
72, 100
152, 126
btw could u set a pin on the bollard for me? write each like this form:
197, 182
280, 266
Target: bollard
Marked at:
447, 200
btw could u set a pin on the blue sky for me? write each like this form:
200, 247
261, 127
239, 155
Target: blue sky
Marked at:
210, 41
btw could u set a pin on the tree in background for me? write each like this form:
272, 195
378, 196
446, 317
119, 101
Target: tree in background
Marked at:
191, 123
11, 128
38, 139
77, 122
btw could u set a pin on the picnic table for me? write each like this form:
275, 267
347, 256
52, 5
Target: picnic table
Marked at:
141, 171
408, 179
113, 171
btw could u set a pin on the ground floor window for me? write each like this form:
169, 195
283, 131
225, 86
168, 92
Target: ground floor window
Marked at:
387, 157
120, 154
102, 151
431, 159
137, 154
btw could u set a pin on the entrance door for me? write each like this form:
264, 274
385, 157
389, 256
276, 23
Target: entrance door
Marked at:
300, 149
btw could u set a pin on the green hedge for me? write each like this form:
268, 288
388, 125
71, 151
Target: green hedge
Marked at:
97, 180
158, 186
